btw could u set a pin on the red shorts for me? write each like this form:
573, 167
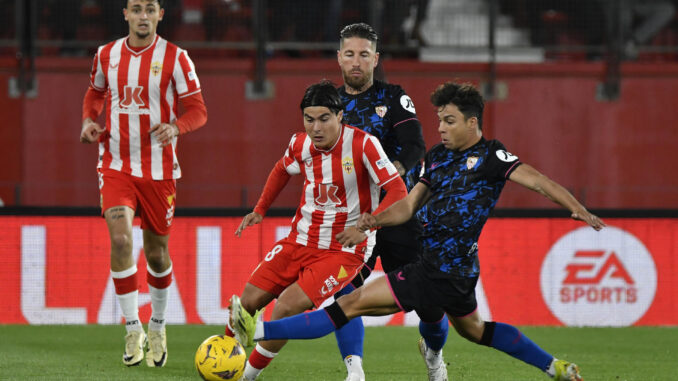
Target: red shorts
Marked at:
154, 200
319, 272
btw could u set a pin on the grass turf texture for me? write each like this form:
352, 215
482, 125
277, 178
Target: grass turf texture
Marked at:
94, 353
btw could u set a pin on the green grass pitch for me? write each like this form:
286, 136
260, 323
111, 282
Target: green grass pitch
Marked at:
94, 352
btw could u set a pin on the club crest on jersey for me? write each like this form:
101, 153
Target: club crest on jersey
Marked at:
381, 110
471, 162
156, 68
347, 164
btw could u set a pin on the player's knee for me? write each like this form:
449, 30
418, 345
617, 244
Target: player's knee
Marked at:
121, 243
337, 315
157, 258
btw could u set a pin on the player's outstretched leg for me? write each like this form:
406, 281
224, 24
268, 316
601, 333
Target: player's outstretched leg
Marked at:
510, 340
564, 371
350, 340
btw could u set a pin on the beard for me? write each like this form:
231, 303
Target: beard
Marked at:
142, 35
356, 83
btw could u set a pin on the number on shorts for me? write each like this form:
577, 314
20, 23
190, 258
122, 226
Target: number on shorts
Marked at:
269, 256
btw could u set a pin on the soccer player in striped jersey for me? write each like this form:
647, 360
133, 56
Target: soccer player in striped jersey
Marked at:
344, 169
141, 78
462, 179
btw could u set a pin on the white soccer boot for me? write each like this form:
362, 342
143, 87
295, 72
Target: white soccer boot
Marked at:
134, 348
437, 373
156, 355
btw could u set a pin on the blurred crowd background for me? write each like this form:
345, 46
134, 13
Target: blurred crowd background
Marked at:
522, 30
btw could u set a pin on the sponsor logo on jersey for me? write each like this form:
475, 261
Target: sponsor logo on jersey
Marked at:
381, 110
407, 103
156, 68
112, 66
347, 164
132, 97
605, 278
471, 162
506, 156
192, 76
308, 162
327, 195
330, 284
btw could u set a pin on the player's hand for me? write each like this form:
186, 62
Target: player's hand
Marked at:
366, 221
164, 132
591, 219
249, 220
351, 237
90, 132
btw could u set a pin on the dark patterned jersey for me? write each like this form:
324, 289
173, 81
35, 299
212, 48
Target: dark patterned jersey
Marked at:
465, 186
387, 112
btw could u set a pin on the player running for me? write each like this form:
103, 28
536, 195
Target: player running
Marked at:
462, 179
141, 77
344, 170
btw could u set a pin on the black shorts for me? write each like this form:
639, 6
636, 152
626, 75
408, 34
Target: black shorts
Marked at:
414, 288
393, 253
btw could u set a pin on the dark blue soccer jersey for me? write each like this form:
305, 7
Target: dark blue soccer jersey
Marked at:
465, 186
387, 112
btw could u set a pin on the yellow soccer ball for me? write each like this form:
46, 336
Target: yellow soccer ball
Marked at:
220, 358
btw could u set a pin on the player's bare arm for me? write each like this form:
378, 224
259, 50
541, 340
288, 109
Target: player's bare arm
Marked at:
530, 178
164, 132
249, 220
398, 213
90, 132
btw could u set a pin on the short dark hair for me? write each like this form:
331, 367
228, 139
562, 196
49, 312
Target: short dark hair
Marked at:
323, 93
160, 2
360, 30
463, 95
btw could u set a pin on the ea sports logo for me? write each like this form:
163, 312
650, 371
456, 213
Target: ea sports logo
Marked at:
604, 278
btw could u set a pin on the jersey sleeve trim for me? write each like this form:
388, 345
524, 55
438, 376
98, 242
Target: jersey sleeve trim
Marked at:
403, 121
511, 169
189, 94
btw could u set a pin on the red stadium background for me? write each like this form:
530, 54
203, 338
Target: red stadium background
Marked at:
534, 270
617, 154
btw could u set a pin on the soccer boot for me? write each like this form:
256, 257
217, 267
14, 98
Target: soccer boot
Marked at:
134, 348
156, 354
242, 323
566, 371
355, 377
438, 373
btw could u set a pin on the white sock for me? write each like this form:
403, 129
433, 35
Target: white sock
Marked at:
354, 364
258, 331
159, 299
129, 304
551, 371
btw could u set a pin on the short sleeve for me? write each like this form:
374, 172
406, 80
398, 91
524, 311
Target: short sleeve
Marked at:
97, 77
378, 165
500, 162
289, 160
401, 108
185, 76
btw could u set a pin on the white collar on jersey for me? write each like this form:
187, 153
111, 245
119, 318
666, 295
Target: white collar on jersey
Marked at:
157, 37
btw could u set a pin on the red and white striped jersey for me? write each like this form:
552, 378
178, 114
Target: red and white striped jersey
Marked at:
340, 184
143, 89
